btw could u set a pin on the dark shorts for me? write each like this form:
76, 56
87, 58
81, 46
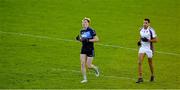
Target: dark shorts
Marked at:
88, 52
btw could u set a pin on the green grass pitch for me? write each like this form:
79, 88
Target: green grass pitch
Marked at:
38, 47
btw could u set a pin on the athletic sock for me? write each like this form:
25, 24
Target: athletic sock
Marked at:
84, 76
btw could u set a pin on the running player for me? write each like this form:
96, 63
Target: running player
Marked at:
87, 37
147, 38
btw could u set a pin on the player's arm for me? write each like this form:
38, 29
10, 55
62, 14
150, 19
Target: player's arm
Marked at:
139, 41
95, 39
154, 37
154, 40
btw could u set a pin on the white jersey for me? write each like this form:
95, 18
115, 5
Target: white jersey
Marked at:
147, 33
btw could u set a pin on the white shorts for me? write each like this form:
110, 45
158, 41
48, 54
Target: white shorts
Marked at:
147, 51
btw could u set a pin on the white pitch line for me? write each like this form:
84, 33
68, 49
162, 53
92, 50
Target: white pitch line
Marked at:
115, 46
68, 40
101, 75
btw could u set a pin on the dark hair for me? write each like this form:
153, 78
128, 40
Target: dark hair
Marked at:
146, 19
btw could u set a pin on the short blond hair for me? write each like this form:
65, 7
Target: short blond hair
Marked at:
88, 19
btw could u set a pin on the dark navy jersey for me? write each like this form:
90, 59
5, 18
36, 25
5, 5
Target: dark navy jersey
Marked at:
87, 34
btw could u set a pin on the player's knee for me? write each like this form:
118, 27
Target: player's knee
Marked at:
83, 63
89, 66
139, 62
150, 60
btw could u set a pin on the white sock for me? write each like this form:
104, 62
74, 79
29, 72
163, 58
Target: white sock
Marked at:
84, 76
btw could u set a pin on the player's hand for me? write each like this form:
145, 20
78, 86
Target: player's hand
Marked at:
85, 40
145, 39
78, 38
139, 43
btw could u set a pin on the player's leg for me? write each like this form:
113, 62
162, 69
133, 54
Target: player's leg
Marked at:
83, 58
91, 66
151, 68
149, 54
140, 61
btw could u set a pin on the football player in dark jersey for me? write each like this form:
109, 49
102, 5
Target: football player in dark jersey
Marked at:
87, 37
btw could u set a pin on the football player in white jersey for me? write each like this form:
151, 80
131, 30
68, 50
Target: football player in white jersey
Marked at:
147, 38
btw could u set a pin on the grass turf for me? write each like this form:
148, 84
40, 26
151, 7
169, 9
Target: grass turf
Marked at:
35, 53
